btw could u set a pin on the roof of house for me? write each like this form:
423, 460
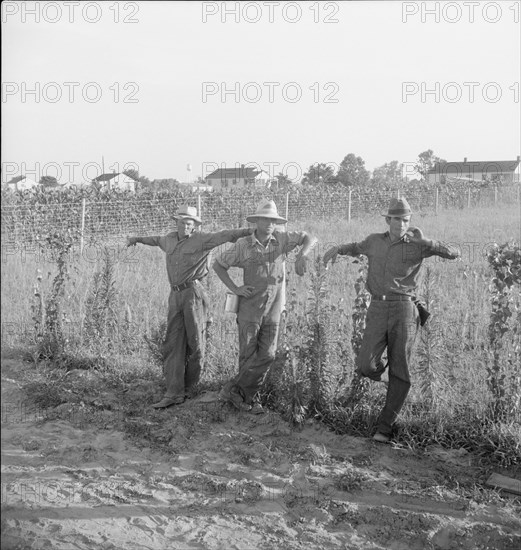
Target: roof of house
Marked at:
16, 179
231, 173
474, 166
108, 177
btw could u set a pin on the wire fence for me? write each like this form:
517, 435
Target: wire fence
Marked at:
31, 222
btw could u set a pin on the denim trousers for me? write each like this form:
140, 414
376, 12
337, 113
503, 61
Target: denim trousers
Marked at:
184, 345
392, 325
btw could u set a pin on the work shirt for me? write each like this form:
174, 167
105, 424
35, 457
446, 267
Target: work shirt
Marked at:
394, 267
263, 268
187, 259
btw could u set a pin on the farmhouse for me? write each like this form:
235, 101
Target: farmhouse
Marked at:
116, 181
238, 178
502, 171
21, 183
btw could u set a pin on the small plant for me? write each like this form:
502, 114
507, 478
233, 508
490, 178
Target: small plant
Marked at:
48, 314
429, 364
101, 319
359, 386
319, 346
505, 260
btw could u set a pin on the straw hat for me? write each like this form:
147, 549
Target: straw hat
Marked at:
266, 209
188, 213
398, 207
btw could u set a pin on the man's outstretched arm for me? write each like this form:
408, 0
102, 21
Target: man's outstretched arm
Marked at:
150, 241
351, 249
430, 247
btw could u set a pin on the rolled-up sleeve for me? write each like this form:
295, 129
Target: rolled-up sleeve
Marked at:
229, 257
294, 239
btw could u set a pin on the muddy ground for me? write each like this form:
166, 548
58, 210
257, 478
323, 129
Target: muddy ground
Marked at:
87, 475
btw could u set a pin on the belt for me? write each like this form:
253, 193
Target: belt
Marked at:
188, 284
394, 298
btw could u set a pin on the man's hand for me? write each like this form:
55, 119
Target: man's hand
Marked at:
416, 236
331, 254
131, 241
301, 265
245, 291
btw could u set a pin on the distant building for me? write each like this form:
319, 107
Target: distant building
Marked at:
21, 183
116, 181
238, 178
503, 171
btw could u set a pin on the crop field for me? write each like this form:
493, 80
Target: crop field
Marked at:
107, 306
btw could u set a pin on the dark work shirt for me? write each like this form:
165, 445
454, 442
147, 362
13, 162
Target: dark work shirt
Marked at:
394, 267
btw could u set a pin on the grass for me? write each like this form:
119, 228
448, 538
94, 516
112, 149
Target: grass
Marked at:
450, 408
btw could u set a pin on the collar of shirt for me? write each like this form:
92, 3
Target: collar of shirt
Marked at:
271, 240
404, 239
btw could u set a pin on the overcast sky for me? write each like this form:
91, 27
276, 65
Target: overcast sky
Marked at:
160, 85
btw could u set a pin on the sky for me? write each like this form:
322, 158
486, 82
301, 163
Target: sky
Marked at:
178, 89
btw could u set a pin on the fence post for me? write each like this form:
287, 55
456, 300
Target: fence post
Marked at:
82, 224
436, 200
349, 205
468, 197
287, 205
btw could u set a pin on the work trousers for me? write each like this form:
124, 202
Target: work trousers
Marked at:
257, 348
184, 345
391, 325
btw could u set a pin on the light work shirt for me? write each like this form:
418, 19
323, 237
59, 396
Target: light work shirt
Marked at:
187, 259
394, 267
263, 268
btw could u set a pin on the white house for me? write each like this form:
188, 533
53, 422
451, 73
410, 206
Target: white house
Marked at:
505, 171
22, 183
116, 181
238, 178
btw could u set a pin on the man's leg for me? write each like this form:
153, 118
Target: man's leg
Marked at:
369, 359
254, 370
248, 344
403, 328
174, 348
195, 315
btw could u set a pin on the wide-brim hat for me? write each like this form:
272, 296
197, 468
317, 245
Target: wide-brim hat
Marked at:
188, 213
398, 207
266, 209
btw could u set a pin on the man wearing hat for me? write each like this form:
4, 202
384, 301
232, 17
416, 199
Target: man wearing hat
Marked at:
262, 257
395, 258
187, 253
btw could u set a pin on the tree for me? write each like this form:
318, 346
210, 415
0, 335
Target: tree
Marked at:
318, 174
48, 181
426, 162
388, 174
352, 171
